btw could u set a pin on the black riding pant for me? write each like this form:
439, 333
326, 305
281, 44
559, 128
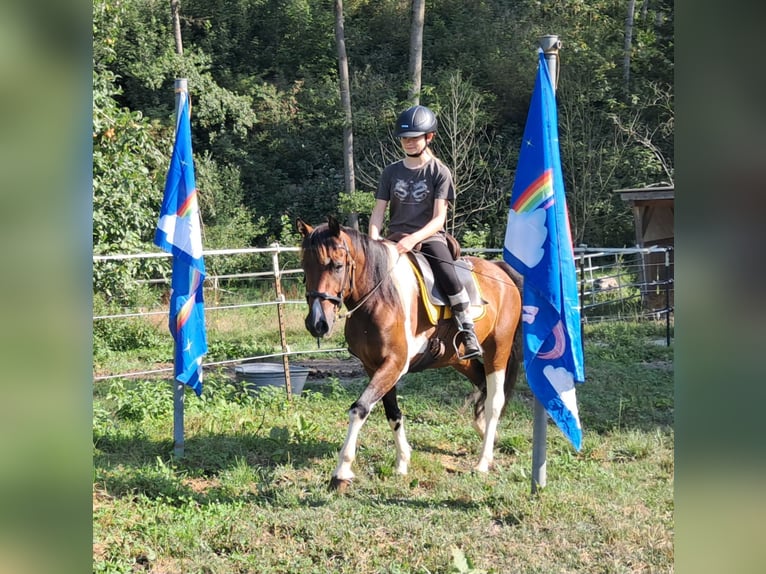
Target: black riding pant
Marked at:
439, 256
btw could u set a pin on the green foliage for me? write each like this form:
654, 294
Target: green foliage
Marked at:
475, 238
267, 127
132, 335
356, 202
128, 171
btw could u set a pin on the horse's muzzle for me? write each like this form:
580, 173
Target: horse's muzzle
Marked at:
317, 322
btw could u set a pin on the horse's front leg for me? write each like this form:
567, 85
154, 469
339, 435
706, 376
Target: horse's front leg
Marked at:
343, 474
383, 380
493, 406
396, 422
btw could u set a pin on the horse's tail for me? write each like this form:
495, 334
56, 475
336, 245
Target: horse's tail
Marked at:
516, 358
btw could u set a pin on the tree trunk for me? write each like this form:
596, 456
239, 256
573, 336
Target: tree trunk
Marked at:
345, 101
175, 9
416, 50
628, 45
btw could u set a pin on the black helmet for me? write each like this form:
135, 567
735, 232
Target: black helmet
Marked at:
415, 121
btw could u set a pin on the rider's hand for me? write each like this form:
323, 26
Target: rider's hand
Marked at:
405, 244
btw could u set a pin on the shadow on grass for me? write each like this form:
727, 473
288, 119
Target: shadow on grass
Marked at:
210, 454
136, 465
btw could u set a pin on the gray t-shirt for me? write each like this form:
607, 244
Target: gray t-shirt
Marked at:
411, 193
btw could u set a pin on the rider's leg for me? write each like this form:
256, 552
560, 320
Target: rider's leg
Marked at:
443, 267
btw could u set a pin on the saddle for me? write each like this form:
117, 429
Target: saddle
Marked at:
435, 301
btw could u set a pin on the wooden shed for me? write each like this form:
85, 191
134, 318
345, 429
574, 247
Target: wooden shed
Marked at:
653, 215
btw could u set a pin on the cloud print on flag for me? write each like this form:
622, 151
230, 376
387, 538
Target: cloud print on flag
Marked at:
179, 232
538, 244
526, 232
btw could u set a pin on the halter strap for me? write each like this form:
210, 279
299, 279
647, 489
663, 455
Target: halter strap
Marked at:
338, 300
324, 295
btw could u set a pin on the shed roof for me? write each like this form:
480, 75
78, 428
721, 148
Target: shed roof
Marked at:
651, 192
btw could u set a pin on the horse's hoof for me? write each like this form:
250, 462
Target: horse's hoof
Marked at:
339, 484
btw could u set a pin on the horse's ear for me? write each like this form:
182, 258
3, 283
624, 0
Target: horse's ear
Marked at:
333, 225
303, 228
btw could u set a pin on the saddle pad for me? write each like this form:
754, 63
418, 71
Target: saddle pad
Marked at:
435, 303
464, 271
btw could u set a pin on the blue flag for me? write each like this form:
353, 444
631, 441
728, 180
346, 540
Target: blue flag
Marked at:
179, 232
538, 244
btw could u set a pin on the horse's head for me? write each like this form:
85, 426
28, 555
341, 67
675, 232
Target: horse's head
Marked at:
328, 269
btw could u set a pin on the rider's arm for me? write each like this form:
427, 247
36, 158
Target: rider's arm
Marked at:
434, 225
376, 218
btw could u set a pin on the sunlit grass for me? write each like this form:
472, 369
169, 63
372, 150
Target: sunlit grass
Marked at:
251, 493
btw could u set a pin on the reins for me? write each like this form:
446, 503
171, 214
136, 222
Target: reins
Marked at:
369, 293
453, 261
351, 264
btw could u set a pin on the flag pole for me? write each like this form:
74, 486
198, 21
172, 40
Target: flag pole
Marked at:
550, 45
181, 90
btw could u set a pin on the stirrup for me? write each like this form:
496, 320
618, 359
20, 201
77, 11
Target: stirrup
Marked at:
471, 354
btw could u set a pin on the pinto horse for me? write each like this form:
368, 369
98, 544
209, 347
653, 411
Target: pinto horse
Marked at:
389, 329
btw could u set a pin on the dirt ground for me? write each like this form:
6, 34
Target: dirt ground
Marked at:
321, 369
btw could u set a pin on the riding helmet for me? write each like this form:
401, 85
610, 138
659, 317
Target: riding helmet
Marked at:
415, 121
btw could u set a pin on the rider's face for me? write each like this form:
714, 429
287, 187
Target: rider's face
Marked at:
413, 145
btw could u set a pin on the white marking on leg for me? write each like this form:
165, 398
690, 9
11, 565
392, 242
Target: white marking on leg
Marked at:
403, 449
348, 450
492, 407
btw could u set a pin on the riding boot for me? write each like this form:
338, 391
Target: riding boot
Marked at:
462, 317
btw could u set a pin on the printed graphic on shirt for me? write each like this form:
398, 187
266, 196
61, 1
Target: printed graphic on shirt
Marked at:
408, 191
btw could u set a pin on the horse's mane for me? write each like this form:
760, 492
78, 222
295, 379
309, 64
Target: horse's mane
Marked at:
377, 263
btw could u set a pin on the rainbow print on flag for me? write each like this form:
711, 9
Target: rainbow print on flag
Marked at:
539, 194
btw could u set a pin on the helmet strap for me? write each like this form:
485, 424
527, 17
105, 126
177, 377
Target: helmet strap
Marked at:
422, 151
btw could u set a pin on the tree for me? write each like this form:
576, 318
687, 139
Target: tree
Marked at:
345, 102
628, 43
416, 50
468, 149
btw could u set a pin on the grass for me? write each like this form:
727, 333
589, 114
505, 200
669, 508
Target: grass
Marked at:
251, 494
138, 344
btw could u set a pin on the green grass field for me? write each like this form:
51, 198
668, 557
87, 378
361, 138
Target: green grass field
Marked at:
250, 494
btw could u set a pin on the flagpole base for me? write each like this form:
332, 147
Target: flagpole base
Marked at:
539, 440
178, 419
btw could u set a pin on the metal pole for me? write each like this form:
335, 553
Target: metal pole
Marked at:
667, 297
550, 45
181, 91
281, 319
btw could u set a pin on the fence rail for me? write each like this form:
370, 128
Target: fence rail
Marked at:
614, 284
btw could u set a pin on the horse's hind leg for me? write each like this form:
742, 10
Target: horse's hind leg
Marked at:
473, 370
487, 411
396, 422
493, 406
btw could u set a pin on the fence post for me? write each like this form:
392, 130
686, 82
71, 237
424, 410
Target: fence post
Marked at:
582, 293
667, 297
281, 319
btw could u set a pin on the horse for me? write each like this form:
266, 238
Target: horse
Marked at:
389, 329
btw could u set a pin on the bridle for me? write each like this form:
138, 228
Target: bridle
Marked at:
349, 271
350, 275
